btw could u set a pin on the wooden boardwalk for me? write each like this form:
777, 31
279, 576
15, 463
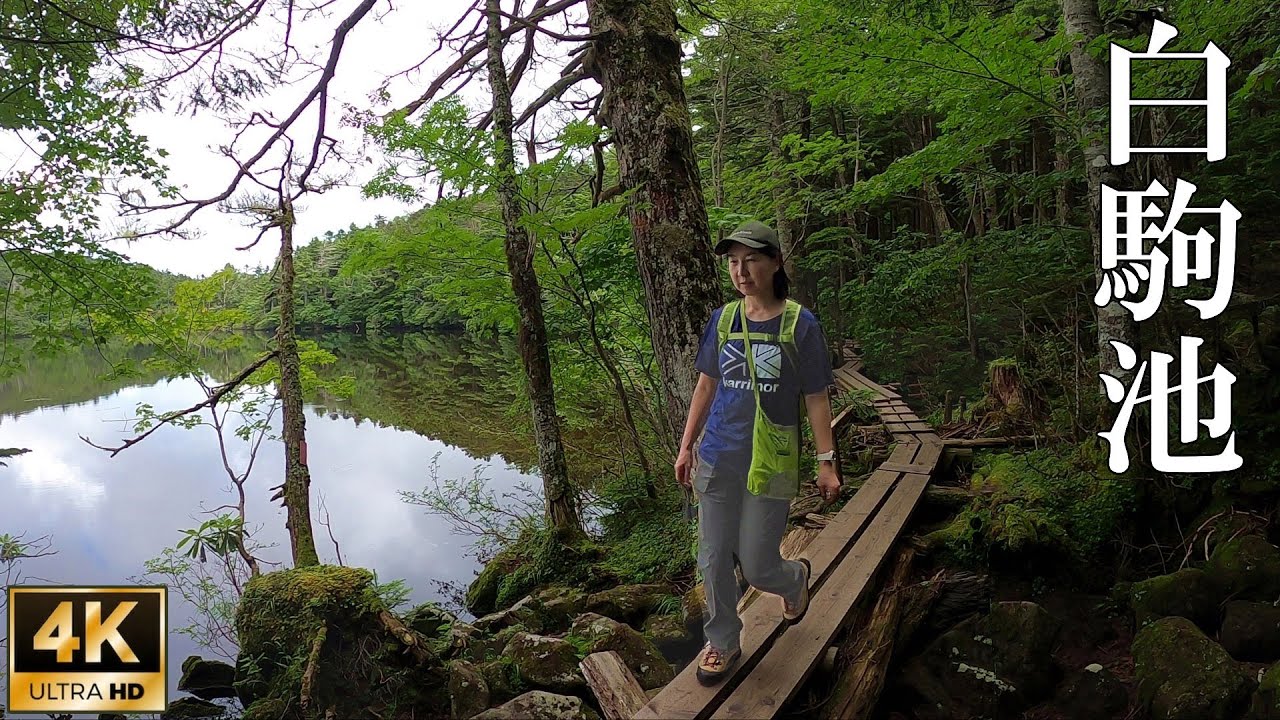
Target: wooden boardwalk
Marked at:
845, 558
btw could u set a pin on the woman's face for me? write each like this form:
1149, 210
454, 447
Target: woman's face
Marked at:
751, 270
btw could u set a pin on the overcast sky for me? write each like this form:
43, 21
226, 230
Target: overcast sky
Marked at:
396, 35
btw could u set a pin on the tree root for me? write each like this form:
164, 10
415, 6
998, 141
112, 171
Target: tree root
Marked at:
401, 632
313, 665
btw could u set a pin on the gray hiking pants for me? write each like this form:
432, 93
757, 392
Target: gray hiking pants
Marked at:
733, 522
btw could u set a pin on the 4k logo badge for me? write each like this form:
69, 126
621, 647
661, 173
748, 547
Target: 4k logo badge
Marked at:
85, 650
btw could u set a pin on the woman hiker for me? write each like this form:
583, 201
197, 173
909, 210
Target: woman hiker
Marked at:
747, 463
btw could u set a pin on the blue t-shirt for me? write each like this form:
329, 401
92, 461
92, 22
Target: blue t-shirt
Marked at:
726, 441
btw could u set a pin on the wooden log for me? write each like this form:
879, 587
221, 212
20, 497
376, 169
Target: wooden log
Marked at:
616, 689
1015, 441
870, 648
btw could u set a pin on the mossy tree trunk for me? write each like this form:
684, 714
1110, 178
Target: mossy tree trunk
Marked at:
297, 477
561, 502
636, 60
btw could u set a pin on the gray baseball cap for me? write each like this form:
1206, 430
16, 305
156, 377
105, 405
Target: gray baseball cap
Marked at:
753, 234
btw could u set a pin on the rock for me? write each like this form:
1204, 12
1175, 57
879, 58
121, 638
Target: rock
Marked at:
693, 610
468, 691
522, 613
101, 716
987, 666
637, 652
652, 693
542, 706
630, 604
669, 634
545, 662
1266, 699
457, 642
559, 606
1246, 568
429, 619
500, 677
207, 679
482, 594
1094, 694
1187, 593
190, 708
1251, 631
1183, 675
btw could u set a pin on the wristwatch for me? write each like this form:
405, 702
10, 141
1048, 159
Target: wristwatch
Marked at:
829, 456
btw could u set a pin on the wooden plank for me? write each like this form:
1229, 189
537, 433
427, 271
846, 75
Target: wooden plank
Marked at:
616, 689
684, 698
775, 680
904, 468
901, 427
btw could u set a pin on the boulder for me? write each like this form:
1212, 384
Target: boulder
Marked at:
1183, 675
987, 666
207, 679
559, 606
630, 604
542, 706
1251, 631
669, 634
1093, 693
1246, 568
1266, 699
190, 708
429, 619
602, 634
545, 662
501, 680
523, 613
468, 691
1187, 593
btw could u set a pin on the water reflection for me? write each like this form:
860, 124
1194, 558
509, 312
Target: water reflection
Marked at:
107, 516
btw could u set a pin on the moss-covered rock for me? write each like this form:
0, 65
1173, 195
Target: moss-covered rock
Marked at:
190, 708
991, 666
1093, 693
207, 679
502, 678
1183, 675
638, 653
1246, 568
669, 634
330, 620
1266, 699
1251, 631
1186, 593
429, 619
559, 605
630, 604
468, 691
482, 595
541, 705
545, 662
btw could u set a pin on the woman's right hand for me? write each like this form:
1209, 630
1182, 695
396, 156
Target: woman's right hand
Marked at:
684, 467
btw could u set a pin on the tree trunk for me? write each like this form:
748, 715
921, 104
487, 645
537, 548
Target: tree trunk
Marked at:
297, 477
637, 63
531, 337
1092, 86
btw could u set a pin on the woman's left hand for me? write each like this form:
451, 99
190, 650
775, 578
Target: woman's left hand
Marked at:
828, 482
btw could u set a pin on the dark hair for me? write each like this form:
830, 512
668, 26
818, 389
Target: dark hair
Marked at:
781, 283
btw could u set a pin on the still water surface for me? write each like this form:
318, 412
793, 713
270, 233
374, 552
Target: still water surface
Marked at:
418, 399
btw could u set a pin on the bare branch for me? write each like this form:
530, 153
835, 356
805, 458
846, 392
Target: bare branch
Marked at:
214, 398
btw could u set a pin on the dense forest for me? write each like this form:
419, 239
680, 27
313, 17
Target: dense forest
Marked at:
934, 169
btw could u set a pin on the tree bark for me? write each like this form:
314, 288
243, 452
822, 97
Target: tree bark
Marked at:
1092, 86
531, 337
636, 60
297, 477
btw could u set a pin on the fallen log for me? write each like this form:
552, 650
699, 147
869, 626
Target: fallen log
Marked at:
616, 689
869, 649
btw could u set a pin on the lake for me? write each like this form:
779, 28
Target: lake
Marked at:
420, 400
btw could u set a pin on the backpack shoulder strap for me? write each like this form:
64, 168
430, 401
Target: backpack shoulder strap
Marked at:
725, 323
790, 316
